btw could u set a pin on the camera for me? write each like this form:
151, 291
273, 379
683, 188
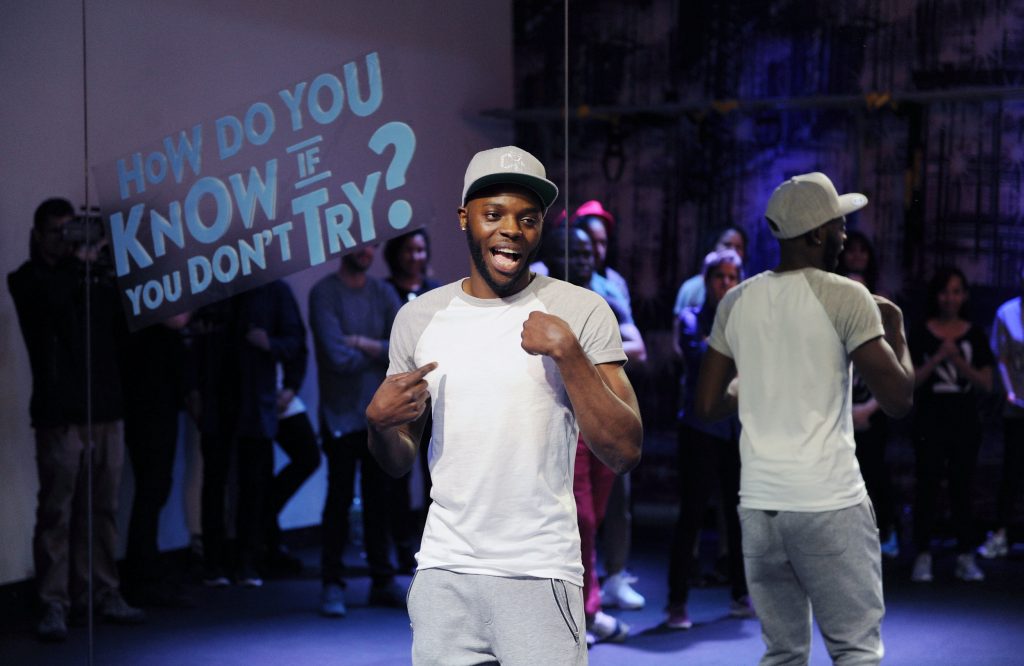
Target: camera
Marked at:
86, 228
86, 236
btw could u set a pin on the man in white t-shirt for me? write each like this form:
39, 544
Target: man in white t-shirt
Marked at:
788, 336
511, 365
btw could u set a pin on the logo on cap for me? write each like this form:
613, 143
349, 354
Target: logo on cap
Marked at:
512, 160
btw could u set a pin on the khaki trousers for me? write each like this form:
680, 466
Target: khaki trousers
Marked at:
60, 543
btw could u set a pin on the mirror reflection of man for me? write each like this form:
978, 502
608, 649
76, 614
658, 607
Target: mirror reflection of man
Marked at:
784, 340
49, 295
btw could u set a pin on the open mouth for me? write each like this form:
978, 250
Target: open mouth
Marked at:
506, 260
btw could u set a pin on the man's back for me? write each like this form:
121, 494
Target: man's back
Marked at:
810, 539
790, 335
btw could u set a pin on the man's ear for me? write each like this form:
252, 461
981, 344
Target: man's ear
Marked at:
463, 217
815, 237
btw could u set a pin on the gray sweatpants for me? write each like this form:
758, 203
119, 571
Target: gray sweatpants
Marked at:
467, 619
827, 561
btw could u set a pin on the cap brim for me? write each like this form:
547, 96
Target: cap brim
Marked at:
851, 202
545, 190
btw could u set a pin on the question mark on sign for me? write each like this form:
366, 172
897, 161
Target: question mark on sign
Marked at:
403, 139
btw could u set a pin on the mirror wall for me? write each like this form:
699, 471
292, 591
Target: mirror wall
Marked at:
168, 121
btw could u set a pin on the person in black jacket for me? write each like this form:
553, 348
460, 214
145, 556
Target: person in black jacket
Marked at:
49, 294
153, 383
237, 347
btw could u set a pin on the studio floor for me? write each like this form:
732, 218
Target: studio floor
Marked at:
945, 622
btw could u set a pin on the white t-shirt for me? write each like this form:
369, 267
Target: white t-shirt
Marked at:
790, 335
503, 446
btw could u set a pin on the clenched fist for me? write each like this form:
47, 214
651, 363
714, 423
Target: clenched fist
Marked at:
892, 318
547, 335
400, 399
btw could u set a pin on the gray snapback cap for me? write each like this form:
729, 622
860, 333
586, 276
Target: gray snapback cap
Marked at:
808, 201
508, 165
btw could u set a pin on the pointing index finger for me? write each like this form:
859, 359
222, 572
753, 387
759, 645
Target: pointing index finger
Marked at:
422, 371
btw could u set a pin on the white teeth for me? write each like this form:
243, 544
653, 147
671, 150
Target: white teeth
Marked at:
508, 253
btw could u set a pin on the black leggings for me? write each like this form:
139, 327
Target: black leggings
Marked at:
380, 495
947, 446
255, 467
703, 462
296, 438
1013, 469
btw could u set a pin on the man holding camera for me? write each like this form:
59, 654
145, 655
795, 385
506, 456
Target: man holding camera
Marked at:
61, 333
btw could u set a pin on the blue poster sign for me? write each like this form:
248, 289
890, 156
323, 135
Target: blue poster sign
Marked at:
292, 179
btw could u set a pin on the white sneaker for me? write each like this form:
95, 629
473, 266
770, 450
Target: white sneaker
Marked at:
995, 546
922, 569
606, 629
617, 592
967, 569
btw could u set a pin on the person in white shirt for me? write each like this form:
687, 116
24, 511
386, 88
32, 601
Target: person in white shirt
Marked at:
1007, 342
511, 365
780, 352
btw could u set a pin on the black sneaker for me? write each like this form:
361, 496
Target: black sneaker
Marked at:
53, 626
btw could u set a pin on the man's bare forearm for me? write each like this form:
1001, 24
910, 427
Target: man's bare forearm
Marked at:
725, 406
609, 419
717, 387
395, 419
393, 448
896, 337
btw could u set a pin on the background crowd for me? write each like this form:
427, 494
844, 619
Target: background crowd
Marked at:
237, 367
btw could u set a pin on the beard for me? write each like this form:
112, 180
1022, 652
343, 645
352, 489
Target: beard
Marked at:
502, 290
352, 264
833, 249
581, 277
